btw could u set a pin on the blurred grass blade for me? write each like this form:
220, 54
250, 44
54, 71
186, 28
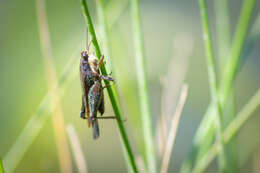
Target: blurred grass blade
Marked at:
161, 135
57, 114
112, 93
173, 130
222, 29
172, 82
230, 131
106, 42
140, 164
213, 83
171, 85
104, 33
236, 48
223, 44
77, 150
143, 88
36, 122
1, 166
253, 38
205, 133
116, 9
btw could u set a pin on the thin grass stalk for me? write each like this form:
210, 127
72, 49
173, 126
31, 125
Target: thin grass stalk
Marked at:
213, 82
236, 48
57, 116
117, 9
111, 92
205, 133
113, 12
140, 164
252, 39
173, 130
182, 49
230, 131
37, 121
222, 29
142, 87
106, 42
223, 44
104, 33
232, 146
161, 133
77, 150
1, 166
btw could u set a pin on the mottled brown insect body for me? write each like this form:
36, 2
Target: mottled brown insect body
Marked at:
93, 96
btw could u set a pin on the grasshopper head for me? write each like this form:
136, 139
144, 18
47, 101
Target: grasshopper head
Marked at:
84, 55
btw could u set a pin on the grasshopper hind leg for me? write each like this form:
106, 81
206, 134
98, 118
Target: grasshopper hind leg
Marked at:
94, 100
101, 107
95, 127
83, 110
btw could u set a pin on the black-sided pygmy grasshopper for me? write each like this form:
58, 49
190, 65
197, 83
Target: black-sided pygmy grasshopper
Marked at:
93, 96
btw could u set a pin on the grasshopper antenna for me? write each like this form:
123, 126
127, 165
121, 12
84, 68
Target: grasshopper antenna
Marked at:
88, 43
87, 47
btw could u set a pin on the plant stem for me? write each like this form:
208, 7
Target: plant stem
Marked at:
173, 130
37, 121
213, 81
222, 29
223, 44
237, 48
230, 131
143, 88
104, 33
106, 42
111, 92
116, 10
205, 132
50, 74
77, 149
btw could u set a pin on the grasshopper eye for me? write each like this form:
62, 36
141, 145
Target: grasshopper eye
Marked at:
84, 55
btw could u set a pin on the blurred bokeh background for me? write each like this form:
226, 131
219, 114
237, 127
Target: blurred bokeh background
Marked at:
174, 54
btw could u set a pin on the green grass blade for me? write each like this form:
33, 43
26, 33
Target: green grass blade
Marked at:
77, 149
111, 92
1, 166
173, 130
213, 81
205, 133
37, 121
237, 48
222, 29
230, 131
104, 32
116, 9
106, 42
143, 88
58, 122
223, 44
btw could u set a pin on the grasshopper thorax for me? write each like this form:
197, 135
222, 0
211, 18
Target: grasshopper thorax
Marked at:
93, 62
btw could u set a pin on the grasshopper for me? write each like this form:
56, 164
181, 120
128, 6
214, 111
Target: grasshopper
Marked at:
91, 83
